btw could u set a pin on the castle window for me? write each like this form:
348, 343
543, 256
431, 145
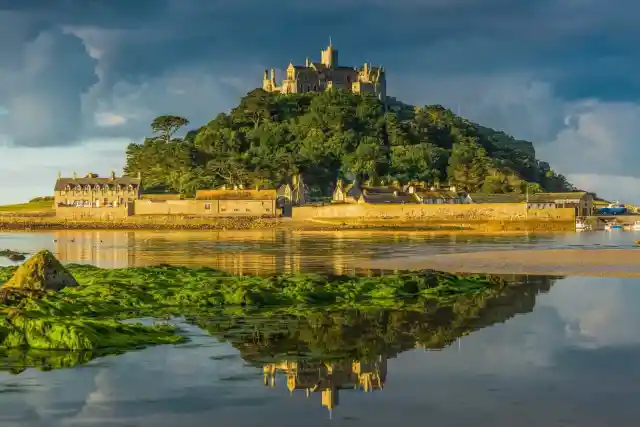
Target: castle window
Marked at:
207, 206
315, 88
308, 88
348, 79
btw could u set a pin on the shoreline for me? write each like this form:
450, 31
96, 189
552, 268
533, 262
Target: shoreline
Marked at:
621, 263
50, 223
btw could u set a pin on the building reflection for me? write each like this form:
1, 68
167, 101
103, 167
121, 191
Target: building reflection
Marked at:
261, 252
328, 378
103, 249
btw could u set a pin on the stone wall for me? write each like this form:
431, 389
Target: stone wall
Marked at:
218, 208
419, 212
103, 213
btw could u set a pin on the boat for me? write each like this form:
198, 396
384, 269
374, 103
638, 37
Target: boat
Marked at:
613, 226
582, 226
635, 225
616, 208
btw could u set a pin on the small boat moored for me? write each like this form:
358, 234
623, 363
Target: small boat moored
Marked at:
635, 225
613, 226
581, 225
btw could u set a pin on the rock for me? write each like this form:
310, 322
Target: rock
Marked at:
41, 272
12, 255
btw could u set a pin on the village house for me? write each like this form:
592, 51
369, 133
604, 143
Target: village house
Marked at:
581, 201
437, 196
215, 202
355, 193
296, 194
93, 196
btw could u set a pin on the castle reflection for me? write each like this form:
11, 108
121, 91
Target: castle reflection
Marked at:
263, 252
328, 378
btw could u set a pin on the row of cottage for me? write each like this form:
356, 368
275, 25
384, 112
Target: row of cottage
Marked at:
116, 197
581, 201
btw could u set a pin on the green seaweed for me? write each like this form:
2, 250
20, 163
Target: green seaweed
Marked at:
91, 317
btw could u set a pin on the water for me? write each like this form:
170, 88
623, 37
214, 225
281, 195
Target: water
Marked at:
550, 351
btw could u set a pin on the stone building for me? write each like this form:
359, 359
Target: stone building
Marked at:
327, 74
96, 197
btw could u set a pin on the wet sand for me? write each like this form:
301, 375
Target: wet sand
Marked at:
560, 262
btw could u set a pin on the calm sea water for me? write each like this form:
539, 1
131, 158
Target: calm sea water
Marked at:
551, 352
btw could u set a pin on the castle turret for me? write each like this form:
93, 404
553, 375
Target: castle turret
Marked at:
266, 83
329, 57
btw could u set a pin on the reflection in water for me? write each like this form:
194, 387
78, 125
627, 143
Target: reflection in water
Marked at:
328, 378
321, 352
263, 251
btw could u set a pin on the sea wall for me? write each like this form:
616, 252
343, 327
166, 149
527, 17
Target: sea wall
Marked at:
102, 213
433, 213
206, 208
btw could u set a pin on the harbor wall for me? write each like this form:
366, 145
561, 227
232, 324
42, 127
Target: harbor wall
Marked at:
433, 213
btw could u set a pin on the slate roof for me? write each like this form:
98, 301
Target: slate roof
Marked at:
438, 194
379, 195
61, 183
497, 198
559, 197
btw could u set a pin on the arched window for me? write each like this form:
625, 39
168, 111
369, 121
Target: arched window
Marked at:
348, 79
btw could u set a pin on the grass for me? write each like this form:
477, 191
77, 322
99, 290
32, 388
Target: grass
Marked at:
33, 206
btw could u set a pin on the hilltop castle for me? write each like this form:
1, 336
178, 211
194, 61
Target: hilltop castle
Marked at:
326, 74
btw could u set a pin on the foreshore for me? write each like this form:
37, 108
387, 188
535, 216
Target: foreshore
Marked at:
40, 222
557, 262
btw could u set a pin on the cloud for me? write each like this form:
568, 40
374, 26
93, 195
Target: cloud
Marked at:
41, 91
77, 72
107, 119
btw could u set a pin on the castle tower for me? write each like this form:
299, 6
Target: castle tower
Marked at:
329, 57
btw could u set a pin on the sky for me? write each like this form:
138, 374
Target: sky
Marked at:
81, 79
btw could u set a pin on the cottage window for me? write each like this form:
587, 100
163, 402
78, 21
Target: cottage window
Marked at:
207, 206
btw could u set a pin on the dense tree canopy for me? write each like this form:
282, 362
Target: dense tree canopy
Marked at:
335, 134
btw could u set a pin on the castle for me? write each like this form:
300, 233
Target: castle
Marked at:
327, 74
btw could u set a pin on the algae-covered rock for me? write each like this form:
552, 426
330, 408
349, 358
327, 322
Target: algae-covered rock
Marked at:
41, 272
21, 331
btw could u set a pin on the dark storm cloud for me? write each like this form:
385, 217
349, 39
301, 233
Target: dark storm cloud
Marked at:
143, 42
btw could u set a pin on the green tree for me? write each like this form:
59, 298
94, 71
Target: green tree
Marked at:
167, 126
269, 137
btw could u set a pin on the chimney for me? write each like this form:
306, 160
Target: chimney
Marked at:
59, 174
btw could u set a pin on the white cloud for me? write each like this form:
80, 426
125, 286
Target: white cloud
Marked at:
591, 141
605, 314
36, 169
109, 119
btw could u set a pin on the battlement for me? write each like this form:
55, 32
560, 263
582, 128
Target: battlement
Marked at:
328, 74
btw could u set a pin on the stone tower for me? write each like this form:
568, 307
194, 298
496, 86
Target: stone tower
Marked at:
329, 57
